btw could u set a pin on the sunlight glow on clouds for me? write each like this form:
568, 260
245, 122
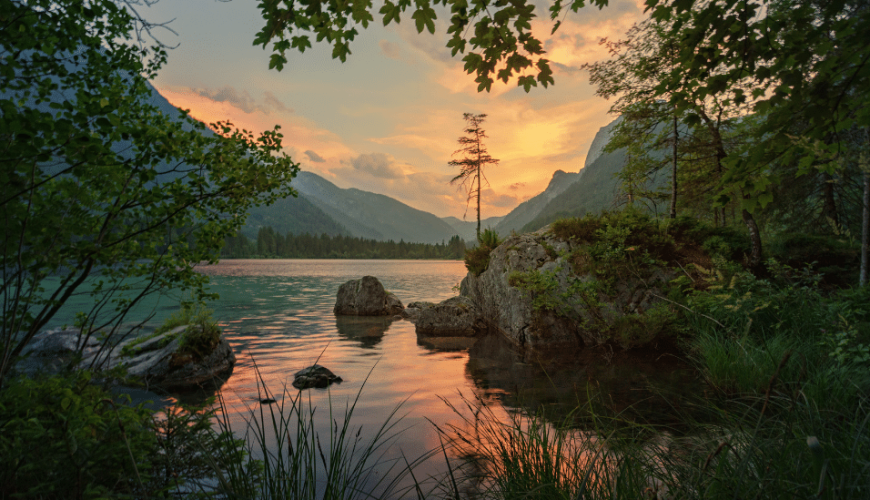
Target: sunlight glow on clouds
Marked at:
388, 119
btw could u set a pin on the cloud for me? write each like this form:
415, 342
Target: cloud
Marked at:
274, 103
488, 197
389, 49
314, 156
517, 185
243, 100
377, 164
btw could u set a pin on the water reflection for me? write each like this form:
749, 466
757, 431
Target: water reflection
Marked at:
278, 317
445, 344
366, 331
642, 384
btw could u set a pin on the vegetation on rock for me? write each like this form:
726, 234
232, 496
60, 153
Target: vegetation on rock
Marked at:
477, 258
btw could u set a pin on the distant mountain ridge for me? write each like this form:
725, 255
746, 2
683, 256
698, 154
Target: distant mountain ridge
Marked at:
517, 218
591, 189
371, 215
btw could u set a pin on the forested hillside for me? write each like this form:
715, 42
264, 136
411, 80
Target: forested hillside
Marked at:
270, 243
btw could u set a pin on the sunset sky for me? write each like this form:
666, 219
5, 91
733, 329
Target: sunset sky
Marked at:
387, 120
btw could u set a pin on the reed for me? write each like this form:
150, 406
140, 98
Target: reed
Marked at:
291, 459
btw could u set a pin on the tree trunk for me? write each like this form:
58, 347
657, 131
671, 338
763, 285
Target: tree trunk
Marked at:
829, 206
674, 171
754, 239
478, 187
865, 225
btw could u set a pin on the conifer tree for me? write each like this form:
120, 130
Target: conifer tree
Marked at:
475, 158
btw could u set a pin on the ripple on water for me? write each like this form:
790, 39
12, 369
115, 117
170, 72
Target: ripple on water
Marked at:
278, 316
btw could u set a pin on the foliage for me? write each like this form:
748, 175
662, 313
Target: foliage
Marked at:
67, 438
101, 193
759, 322
806, 62
477, 258
501, 39
834, 257
476, 158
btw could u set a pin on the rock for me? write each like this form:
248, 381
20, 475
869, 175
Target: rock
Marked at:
569, 322
454, 317
314, 376
412, 312
366, 297
156, 361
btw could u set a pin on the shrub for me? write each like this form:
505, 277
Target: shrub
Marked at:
477, 259
62, 437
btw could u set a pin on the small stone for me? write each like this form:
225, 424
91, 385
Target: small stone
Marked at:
314, 376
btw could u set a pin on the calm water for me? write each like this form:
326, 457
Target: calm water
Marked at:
278, 316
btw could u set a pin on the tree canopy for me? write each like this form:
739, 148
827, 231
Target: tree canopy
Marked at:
102, 195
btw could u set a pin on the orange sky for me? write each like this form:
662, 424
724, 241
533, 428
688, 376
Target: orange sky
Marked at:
388, 119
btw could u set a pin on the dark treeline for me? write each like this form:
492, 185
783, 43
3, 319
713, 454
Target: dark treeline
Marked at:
271, 244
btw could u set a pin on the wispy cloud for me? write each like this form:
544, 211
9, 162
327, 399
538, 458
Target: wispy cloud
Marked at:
377, 164
243, 100
390, 49
314, 156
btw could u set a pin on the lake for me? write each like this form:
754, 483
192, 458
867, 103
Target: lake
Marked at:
278, 316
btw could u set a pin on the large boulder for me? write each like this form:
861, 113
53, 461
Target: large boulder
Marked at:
157, 361
366, 297
532, 293
454, 317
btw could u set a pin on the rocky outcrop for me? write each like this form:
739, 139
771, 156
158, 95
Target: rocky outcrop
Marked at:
314, 376
531, 294
366, 297
412, 312
158, 361
454, 317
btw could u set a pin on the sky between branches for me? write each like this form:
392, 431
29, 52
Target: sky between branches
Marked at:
387, 120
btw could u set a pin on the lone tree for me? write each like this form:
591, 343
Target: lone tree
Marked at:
475, 158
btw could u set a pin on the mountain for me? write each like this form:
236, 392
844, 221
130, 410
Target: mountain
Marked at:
602, 137
288, 215
528, 212
594, 191
292, 215
596, 187
529, 209
370, 215
467, 229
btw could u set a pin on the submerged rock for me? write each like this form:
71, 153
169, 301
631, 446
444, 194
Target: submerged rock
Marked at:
454, 317
159, 361
366, 297
314, 376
